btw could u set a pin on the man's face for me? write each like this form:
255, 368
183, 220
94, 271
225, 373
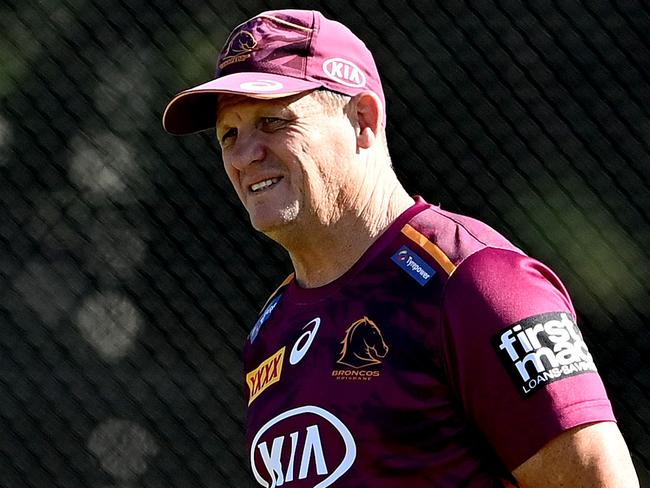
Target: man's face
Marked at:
289, 159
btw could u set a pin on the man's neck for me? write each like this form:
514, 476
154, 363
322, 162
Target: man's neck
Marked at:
322, 255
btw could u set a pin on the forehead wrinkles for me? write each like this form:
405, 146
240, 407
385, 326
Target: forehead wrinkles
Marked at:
302, 103
226, 105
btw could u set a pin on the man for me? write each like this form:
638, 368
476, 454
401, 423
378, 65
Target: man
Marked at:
411, 346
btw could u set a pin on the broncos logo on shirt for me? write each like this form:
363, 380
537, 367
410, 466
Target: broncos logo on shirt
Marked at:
363, 345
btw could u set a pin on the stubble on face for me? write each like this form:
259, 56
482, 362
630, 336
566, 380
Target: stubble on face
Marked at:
307, 151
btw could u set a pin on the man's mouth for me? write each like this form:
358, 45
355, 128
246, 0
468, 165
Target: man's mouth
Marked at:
262, 185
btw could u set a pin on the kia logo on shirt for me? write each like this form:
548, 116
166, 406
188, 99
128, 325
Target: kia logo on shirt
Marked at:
305, 446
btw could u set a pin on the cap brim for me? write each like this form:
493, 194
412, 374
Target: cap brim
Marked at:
195, 110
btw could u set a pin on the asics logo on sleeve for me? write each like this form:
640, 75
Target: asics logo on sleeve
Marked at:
269, 371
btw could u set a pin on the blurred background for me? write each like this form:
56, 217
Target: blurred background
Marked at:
129, 275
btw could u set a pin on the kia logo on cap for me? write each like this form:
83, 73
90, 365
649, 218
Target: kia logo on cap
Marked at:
344, 72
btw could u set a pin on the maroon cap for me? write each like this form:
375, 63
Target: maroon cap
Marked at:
277, 54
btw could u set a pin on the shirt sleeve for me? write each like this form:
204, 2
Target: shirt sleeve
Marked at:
514, 355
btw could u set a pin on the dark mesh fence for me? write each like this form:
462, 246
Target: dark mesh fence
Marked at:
129, 275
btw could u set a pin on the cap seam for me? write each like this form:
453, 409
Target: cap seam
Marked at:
290, 24
315, 30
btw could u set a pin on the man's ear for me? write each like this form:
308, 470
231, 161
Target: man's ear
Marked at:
369, 112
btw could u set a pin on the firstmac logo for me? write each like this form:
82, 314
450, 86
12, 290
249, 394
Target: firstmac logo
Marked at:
542, 349
345, 72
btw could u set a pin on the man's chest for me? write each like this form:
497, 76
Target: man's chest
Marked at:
331, 385
337, 350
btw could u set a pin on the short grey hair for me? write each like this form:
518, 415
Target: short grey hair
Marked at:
331, 101
335, 102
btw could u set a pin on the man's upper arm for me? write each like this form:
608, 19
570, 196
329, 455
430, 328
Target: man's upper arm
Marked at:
593, 456
514, 355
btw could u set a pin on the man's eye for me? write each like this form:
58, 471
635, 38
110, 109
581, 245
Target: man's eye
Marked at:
227, 135
270, 122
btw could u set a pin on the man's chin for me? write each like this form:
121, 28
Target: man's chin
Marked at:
282, 232
268, 225
279, 221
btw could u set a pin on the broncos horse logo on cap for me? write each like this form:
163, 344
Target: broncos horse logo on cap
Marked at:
238, 48
243, 42
363, 345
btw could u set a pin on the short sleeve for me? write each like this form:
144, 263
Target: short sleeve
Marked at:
514, 354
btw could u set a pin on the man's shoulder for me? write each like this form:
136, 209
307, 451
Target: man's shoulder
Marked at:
456, 236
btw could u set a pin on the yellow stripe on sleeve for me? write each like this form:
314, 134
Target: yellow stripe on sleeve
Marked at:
434, 251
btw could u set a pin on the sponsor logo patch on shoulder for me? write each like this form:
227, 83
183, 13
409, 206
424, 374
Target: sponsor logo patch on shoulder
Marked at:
414, 265
266, 313
542, 349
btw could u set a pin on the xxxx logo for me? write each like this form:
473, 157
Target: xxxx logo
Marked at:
270, 370
267, 373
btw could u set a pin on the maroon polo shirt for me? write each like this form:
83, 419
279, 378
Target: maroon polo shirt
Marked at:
444, 357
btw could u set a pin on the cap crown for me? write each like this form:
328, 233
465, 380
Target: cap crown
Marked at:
275, 54
267, 44
301, 44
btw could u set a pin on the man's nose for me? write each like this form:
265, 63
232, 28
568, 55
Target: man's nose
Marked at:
249, 148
